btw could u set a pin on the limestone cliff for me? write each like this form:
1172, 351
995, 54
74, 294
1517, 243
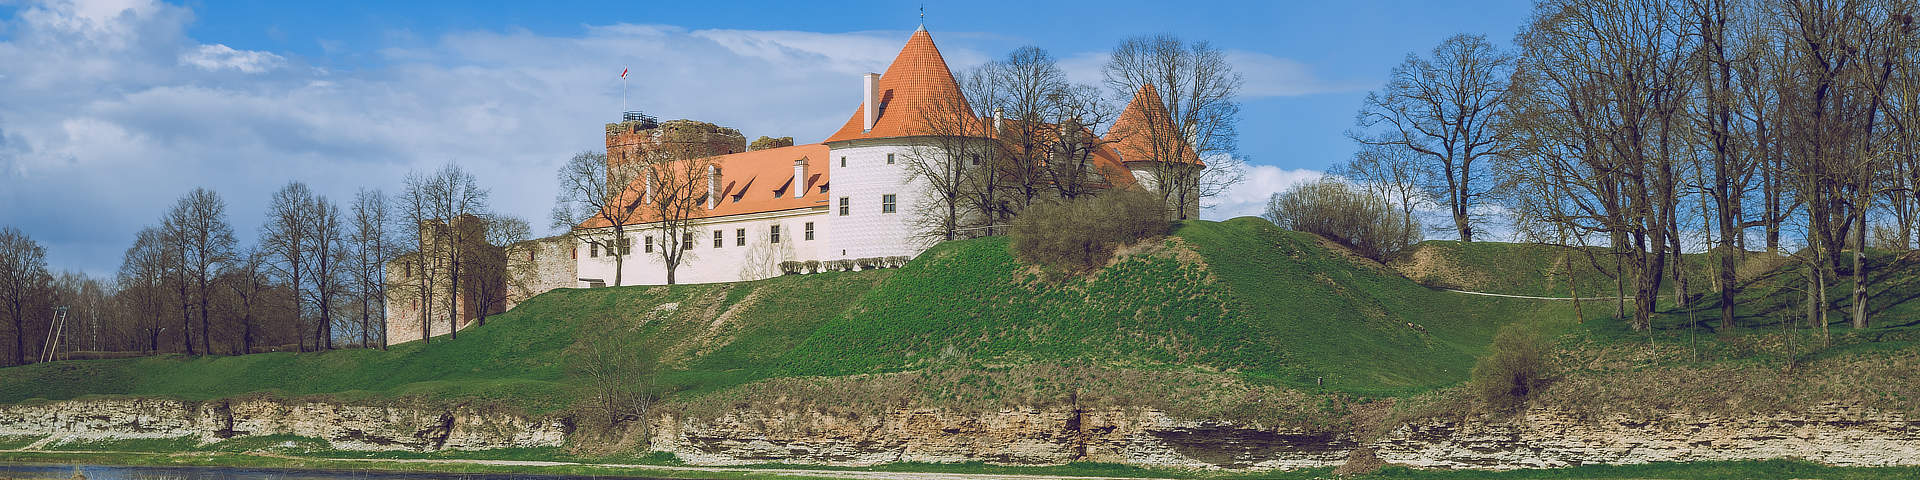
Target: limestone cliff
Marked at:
1831, 434
347, 427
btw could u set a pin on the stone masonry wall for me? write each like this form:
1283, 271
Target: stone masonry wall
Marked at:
537, 266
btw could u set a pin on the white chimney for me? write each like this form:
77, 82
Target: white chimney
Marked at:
713, 187
800, 177
647, 198
872, 101
996, 121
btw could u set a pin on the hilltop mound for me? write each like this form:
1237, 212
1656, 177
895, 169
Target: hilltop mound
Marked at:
1241, 297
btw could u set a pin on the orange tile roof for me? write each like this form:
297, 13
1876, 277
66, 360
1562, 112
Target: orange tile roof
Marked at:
1132, 132
917, 81
758, 181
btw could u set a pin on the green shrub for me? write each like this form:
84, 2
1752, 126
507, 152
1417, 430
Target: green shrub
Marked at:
1360, 220
1512, 369
1081, 234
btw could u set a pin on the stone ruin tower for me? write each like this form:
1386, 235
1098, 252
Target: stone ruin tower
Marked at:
637, 135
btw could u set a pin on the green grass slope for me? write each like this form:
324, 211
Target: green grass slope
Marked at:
1240, 297
1255, 299
517, 358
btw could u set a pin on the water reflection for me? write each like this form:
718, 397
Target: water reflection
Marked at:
108, 472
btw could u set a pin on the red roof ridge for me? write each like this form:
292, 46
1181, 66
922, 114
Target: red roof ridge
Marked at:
918, 79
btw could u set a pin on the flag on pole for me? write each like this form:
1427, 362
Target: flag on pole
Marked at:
623, 73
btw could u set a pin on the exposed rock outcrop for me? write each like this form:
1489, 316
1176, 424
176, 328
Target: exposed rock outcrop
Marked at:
347, 427
1831, 434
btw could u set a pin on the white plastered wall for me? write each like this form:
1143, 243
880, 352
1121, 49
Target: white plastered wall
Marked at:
759, 258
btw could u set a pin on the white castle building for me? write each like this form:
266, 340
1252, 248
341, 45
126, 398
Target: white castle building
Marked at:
850, 201
850, 197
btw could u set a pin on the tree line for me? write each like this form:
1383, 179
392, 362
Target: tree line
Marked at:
316, 279
1652, 128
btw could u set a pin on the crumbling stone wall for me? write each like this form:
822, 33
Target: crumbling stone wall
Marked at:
405, 309
536, 266
511, 274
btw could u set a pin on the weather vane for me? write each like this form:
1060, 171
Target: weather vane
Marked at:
923, 14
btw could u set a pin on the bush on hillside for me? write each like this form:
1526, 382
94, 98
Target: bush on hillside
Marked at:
1512, 370
1360, 220
1081, 234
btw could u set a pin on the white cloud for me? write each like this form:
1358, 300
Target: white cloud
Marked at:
1249, 197
218, 57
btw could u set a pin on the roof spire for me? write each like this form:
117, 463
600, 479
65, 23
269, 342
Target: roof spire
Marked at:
923, 16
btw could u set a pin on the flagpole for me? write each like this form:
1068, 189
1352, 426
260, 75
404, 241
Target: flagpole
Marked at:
623, 92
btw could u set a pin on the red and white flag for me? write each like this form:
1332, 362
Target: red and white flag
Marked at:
623, 73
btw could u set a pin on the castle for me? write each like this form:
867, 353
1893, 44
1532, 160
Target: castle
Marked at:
848, 202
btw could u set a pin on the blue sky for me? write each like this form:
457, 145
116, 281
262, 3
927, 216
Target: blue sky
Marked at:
111, 109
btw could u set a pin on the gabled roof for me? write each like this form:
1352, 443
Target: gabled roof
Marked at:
1132, 134
758, 181
917, 81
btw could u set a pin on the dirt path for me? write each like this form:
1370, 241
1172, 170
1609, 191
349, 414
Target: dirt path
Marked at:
1528, 297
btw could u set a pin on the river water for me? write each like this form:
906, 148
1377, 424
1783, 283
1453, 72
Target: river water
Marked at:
108, 472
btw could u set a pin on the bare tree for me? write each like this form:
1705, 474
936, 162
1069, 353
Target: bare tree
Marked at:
590, 191
493, 276
329, 253
1447, 108
418, 229
458, 199
287, 238
1076, 114
143, 283
198, 226
1603, 89
1029, 82
955, 142
1839, 60
248, 280
983, 187
1192, 152
371, 249
1390, 173
24, 285
680, 186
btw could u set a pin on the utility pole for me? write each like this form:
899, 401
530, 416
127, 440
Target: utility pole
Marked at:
58, 327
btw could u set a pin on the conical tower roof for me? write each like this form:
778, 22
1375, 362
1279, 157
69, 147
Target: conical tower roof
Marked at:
1146, 116
917, 81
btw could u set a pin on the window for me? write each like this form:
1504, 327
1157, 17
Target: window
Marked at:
529, 254
626, 246
593, 250
886, 203
740, 236
976, 159
809, 230
775, 234
843, 161
649, 245
889, 159
719, 239
843, 206
686, 241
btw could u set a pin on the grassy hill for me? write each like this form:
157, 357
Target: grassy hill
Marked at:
1239, 297
1235, 301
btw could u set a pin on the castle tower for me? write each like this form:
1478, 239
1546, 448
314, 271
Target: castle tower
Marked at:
1155, 151
874, 206
636, 136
